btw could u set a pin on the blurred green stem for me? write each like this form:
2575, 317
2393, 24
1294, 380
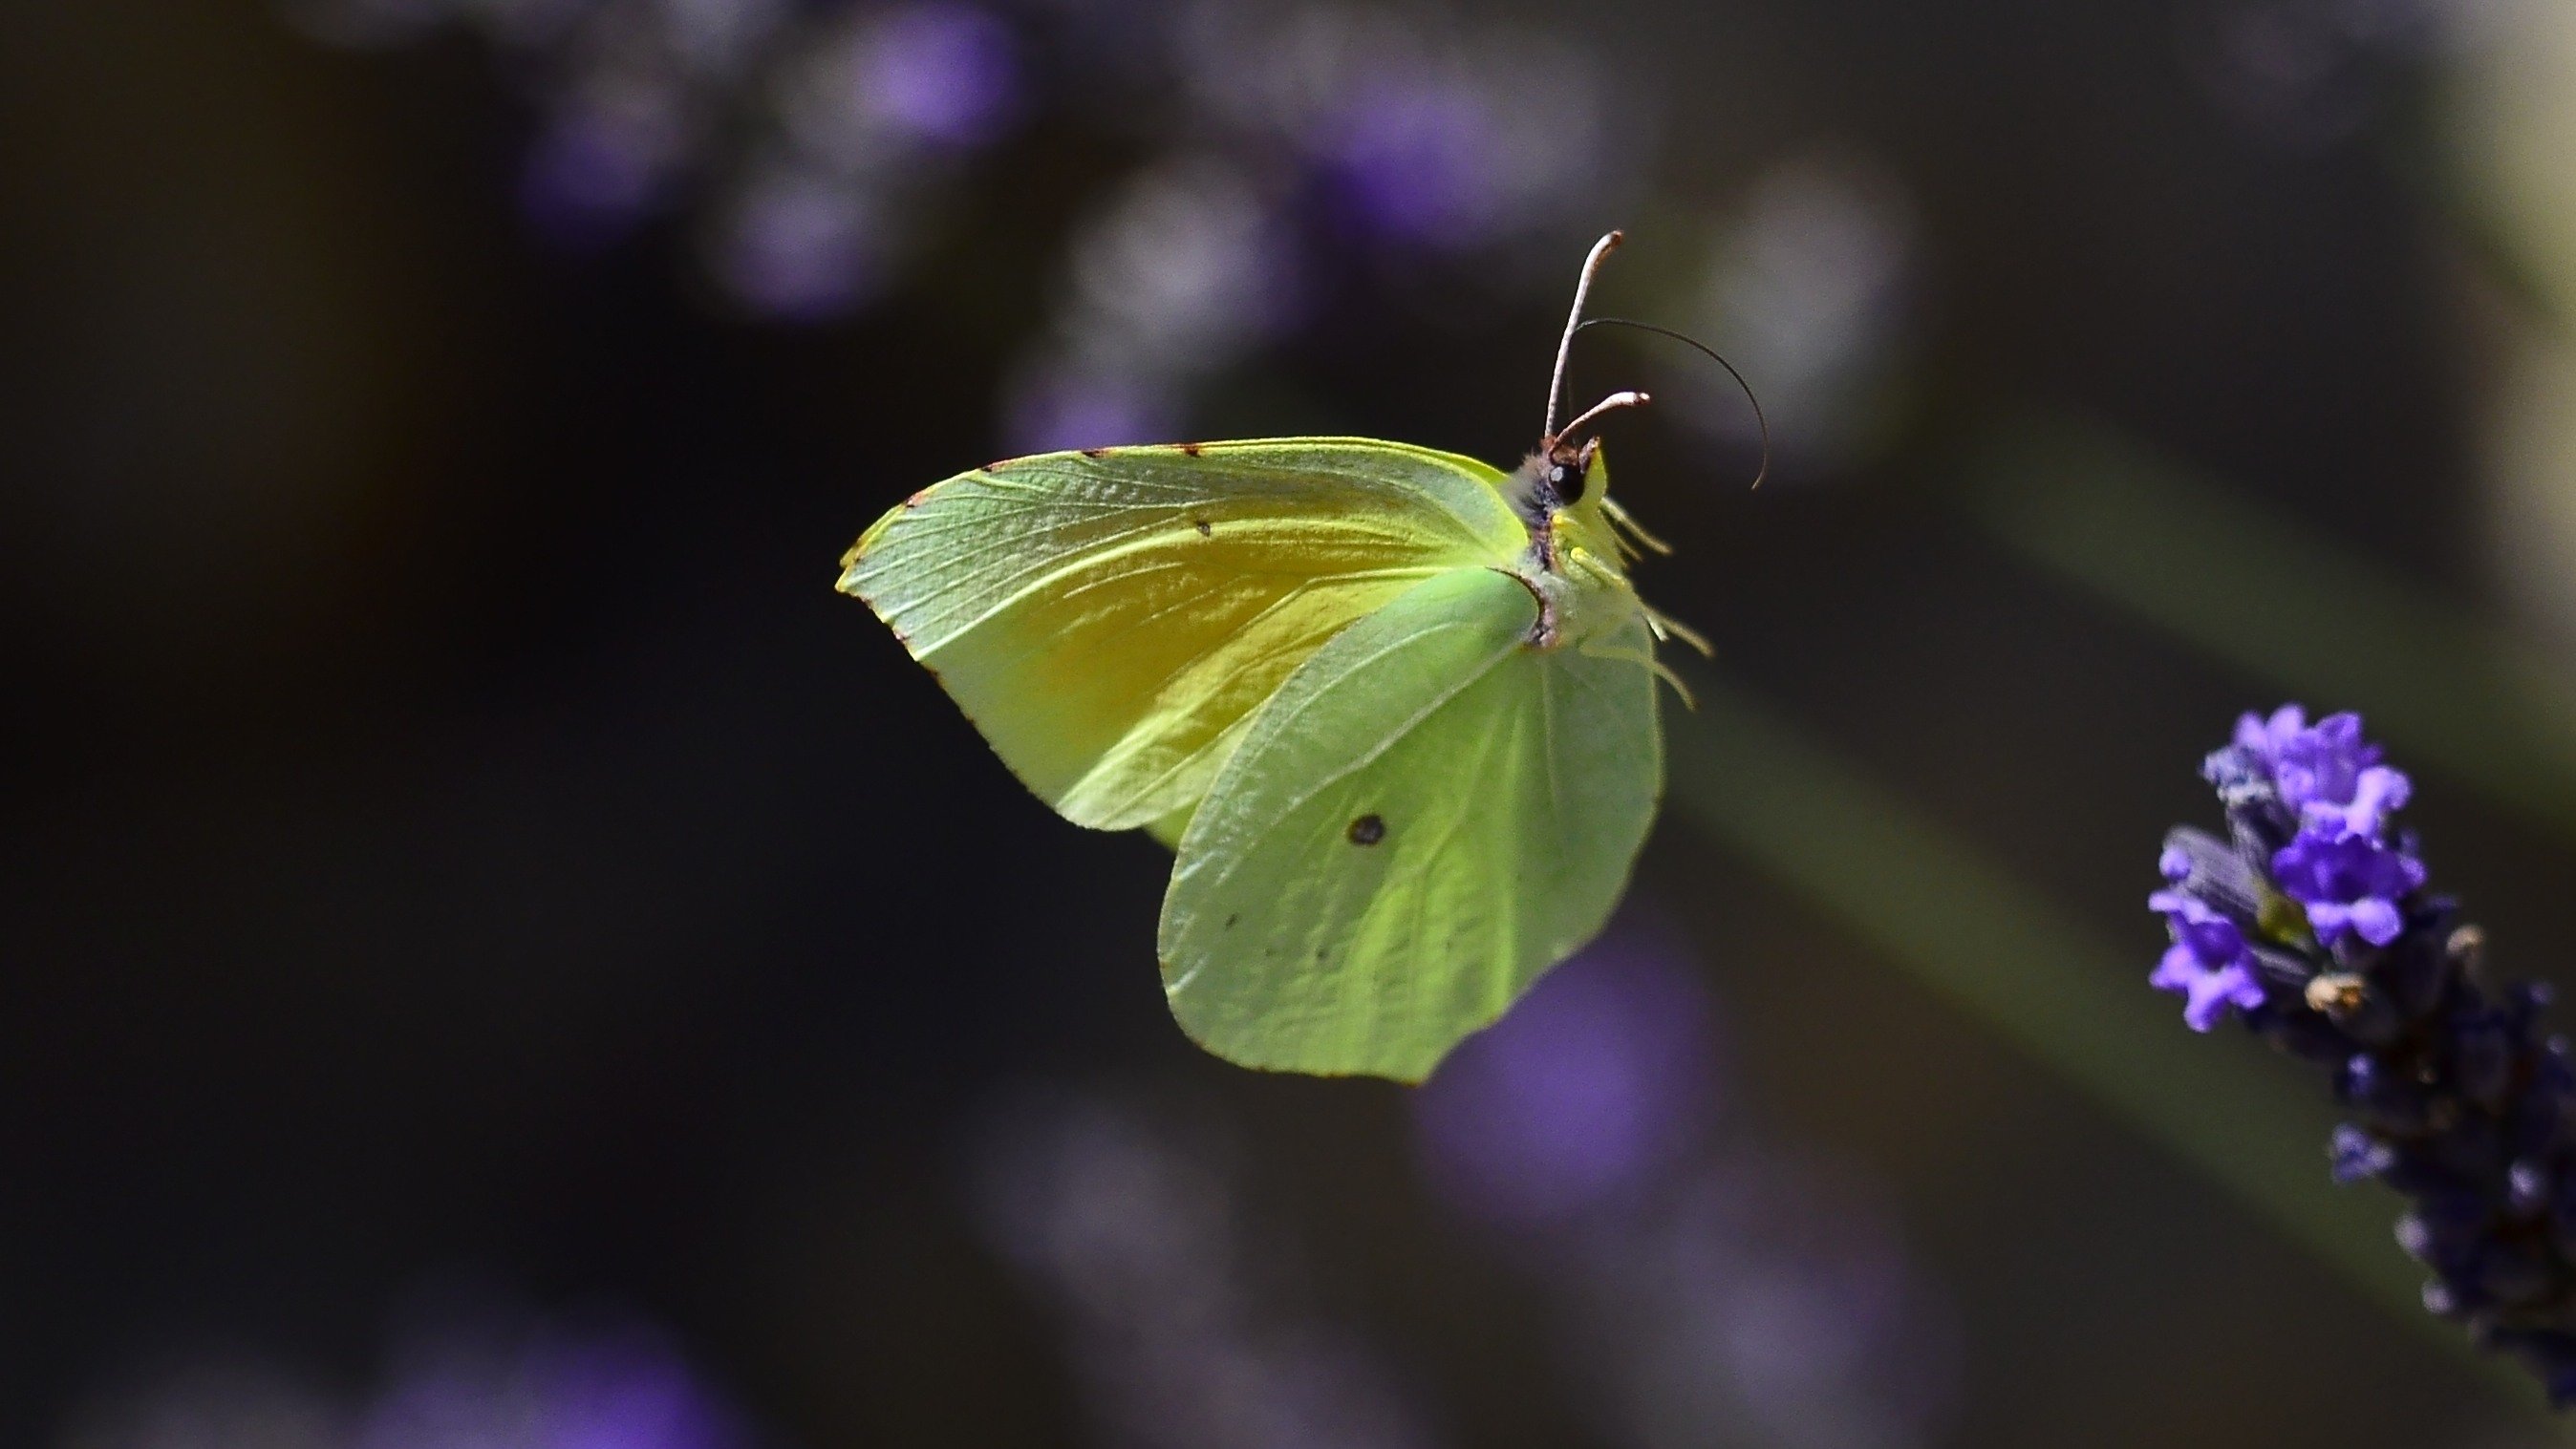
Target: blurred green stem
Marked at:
2252, 587
2079, 1005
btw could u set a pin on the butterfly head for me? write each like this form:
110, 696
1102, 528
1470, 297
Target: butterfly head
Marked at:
1557, 476
1565, 469
1561, 492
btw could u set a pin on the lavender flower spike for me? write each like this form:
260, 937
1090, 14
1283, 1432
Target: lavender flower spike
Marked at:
2311, 922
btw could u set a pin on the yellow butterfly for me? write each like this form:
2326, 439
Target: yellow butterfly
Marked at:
1393, 709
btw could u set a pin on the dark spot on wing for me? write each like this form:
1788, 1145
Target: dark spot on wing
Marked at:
1230, 920
1204, 529
1095, 452
915, 500
1367, 830
1192, 448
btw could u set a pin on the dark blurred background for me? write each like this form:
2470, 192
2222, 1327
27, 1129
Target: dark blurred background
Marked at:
497, 953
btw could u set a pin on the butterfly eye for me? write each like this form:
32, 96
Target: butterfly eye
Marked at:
1569, 483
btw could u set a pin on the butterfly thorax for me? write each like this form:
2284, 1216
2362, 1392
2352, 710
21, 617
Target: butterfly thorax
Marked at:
1575, 560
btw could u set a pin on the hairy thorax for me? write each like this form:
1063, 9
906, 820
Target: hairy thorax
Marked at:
1574, 562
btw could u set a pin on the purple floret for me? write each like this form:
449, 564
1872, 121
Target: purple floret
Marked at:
2326, 773
2349, 883
2354, 1154
2376, 791
2174, 864
2263, 738
2332, 776
2209, 963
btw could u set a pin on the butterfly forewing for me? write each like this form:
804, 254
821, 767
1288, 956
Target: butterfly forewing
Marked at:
1427, 815
1110, 620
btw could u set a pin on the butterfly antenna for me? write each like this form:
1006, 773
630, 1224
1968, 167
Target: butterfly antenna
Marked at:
1687, 340
1610, 404
1573, 324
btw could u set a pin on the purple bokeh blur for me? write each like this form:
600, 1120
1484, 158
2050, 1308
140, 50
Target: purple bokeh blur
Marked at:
1591, 1087
939, 73
1060, 409
490, 1378
593, 172
619, 1386
1714, 1291
816, 145
1178, 274
798, 248
1416, 161
1175, 1298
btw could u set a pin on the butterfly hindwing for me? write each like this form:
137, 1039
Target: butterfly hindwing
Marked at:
1110, 620
1427, 815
